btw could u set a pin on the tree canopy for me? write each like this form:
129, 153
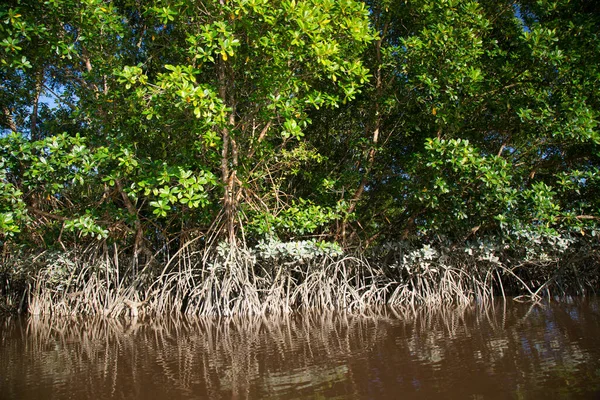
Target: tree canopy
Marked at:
146, 123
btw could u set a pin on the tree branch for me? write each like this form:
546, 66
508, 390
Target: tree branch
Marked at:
9, 120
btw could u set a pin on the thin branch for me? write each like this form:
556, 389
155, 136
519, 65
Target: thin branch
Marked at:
46, 214
61, 99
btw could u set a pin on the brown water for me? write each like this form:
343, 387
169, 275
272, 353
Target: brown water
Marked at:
515, 351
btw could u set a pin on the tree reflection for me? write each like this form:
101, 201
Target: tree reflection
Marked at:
509, 350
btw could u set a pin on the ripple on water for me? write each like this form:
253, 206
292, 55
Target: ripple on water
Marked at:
513, 351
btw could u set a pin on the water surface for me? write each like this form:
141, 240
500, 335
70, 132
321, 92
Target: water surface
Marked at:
514, 351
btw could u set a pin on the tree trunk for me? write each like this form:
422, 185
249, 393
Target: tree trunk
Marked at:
39, 84
229, 153
139, 247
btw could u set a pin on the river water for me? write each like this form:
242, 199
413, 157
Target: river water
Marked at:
510, 351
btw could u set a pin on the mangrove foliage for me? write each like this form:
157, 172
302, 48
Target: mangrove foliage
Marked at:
251, 156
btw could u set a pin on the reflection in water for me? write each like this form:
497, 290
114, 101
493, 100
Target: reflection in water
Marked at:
511, 351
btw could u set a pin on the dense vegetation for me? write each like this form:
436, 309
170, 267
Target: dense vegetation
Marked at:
229, 156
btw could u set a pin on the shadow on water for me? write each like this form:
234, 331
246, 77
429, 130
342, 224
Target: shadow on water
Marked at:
512, 350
